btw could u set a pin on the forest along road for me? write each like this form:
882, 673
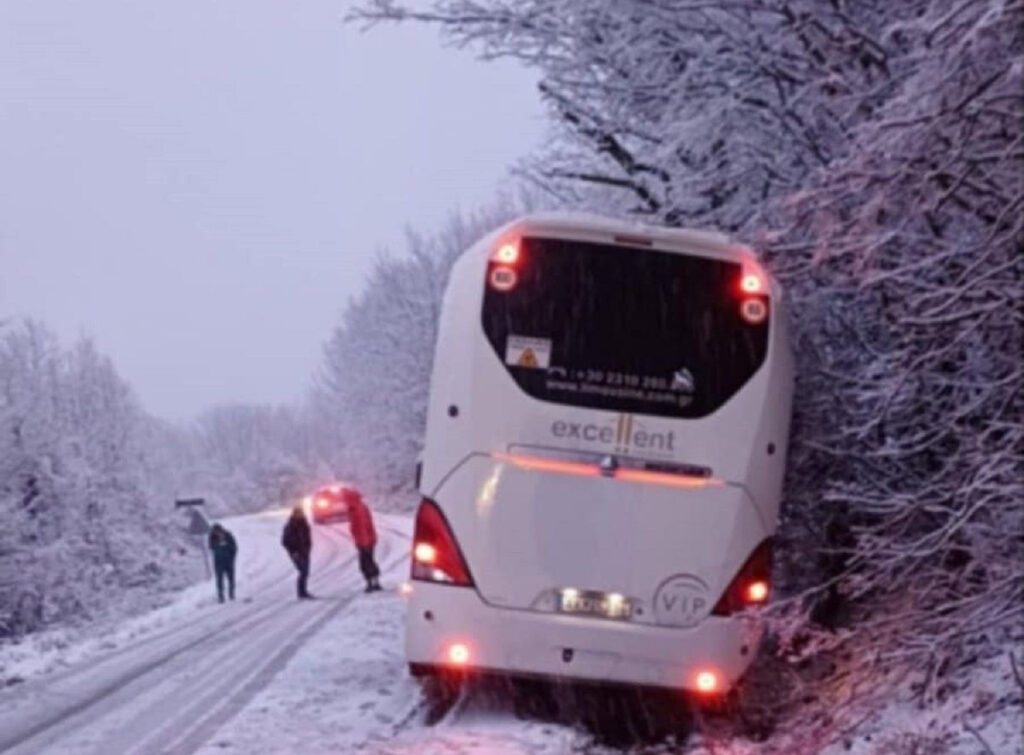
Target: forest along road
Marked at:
169, 691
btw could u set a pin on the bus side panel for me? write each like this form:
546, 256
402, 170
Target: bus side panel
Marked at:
451, 405
763, 466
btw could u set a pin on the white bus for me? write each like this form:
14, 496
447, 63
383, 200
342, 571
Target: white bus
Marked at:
605, 448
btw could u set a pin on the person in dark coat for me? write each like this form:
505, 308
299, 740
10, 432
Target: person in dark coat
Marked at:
224, 548
298, 541
360, 522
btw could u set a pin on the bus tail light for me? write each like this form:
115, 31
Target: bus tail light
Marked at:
751, 586
752, 283
458, 654
507, 253
753, 280
706, 681
435, 553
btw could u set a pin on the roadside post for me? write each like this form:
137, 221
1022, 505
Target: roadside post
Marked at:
198, 526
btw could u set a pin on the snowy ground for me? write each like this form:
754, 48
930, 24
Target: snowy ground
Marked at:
258, 567
271, 675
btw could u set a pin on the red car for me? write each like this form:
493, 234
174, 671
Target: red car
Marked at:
327, 504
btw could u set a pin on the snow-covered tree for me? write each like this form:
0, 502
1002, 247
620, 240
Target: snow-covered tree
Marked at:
83, 525
689, 112
252, 457
917, 234
874, 151
372, 388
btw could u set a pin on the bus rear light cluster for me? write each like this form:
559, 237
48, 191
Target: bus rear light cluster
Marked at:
753, 288
502, 275
752, 584
435, 553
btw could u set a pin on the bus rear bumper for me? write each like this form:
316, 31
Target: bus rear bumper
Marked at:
452, 628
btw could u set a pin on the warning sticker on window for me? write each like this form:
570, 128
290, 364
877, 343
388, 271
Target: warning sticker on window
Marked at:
522, 351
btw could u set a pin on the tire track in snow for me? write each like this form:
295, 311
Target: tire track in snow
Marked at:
209, 622
70, 710
203, 731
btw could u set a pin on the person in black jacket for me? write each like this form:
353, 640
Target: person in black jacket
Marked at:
224, 548
298, 541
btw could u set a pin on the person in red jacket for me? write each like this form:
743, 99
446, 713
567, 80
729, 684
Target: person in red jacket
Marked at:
360, 522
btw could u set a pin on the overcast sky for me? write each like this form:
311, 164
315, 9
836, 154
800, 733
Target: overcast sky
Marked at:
201, 184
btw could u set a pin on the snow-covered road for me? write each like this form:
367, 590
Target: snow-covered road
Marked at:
169, 687
271, 674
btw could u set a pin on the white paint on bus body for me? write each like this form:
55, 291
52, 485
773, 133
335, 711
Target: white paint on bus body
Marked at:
543, 495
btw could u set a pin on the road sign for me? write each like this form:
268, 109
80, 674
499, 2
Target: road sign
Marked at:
197, 524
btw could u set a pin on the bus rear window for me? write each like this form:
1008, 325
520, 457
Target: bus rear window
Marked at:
622, 329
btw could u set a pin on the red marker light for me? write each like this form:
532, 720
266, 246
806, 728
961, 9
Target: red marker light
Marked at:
706, 682
507, 254
458, 654
751, 283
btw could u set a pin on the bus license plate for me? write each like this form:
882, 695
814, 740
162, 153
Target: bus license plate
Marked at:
591, 603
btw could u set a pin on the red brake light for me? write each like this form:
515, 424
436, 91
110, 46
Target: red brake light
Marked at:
435, 554
751, 586
751, 283
756, 591
507, 253
558, 466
